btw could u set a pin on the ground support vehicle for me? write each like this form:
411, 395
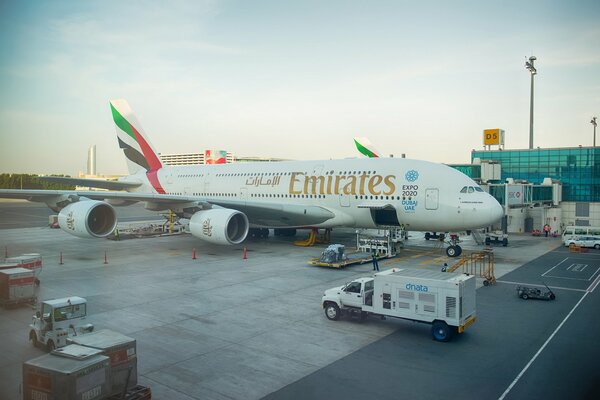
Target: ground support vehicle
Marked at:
56, 320
335, 256
528, 292
446, 301
70, 373
496, 237
122, 352
583, 241
17, 286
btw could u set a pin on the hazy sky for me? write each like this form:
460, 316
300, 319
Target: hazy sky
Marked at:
292, 79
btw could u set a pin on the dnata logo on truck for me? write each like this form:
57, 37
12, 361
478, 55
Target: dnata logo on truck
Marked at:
416, 288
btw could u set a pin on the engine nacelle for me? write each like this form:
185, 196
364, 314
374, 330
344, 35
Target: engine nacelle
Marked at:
220, 226
88, 219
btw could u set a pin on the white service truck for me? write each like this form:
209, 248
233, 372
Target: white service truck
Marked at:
447, 301
58, 319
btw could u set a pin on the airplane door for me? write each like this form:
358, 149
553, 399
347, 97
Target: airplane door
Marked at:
431, 199
352, 295
344, 200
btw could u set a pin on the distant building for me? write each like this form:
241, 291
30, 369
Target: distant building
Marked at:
91, 161
206, 157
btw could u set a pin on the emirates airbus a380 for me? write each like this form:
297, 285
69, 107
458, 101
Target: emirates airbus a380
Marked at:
224, 201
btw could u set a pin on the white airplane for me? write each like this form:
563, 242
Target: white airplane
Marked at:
225, 201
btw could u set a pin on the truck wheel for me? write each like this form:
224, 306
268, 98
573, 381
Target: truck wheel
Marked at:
552, 296
332, 311
50, 345
33, 338
441, 332
427, 236
487, 241
524, 296
504, 242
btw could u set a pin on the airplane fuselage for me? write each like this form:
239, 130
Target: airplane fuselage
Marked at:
364, 193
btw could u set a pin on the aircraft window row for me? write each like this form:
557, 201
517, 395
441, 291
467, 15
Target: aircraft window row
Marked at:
322, 196
471, 189
256, 174
190, 175
285, 173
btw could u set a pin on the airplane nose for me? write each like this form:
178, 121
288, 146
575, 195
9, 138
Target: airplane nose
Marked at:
496, 211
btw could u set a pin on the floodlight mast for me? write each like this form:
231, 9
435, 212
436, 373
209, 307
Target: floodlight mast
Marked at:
593, 122
529, 65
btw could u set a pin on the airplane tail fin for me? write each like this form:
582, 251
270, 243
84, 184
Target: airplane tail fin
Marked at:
138, 150
365, 147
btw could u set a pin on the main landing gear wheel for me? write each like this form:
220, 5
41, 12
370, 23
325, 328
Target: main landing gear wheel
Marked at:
33, 338
453, 251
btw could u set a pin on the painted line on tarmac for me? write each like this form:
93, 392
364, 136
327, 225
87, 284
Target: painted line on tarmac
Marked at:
544, 274
551, 287
514, 382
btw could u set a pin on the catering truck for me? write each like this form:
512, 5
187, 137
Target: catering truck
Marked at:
444, 300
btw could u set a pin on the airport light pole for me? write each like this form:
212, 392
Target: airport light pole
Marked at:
593, 122
533, 71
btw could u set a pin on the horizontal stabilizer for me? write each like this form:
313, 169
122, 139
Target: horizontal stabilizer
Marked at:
95, 183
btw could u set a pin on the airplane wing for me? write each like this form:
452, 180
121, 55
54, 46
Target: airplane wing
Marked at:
265, 214
93, 183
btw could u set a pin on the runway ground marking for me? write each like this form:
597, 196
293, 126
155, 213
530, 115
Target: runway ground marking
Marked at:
544, 274
514, 382
589, 290
551, 287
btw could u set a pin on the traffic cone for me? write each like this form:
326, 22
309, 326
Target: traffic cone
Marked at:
60, 261
105, 259
245, 257
193, 254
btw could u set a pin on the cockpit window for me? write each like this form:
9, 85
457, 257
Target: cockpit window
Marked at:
463, 190
478, 189
471, 190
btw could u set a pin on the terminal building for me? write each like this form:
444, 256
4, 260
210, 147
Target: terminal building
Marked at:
555, 186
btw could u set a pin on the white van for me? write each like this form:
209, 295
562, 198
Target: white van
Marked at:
571, 230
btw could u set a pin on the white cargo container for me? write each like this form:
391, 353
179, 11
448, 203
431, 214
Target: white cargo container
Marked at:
17, 286
70, 373
122, 352
447, 301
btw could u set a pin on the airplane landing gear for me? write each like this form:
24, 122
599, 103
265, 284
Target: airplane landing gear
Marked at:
453, 250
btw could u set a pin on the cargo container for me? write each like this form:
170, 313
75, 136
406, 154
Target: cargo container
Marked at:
8, 265
32, 261
122, 352
17, 286
70, 373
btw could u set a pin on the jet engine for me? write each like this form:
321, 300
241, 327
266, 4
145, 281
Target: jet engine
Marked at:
219, 226
88, 219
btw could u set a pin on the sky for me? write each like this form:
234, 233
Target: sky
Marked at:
292, 79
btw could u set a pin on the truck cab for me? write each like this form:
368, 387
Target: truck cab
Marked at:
56, 320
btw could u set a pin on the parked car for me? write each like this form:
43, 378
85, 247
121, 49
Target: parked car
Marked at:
583, 241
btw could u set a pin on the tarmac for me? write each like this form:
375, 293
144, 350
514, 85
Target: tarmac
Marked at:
224, 327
